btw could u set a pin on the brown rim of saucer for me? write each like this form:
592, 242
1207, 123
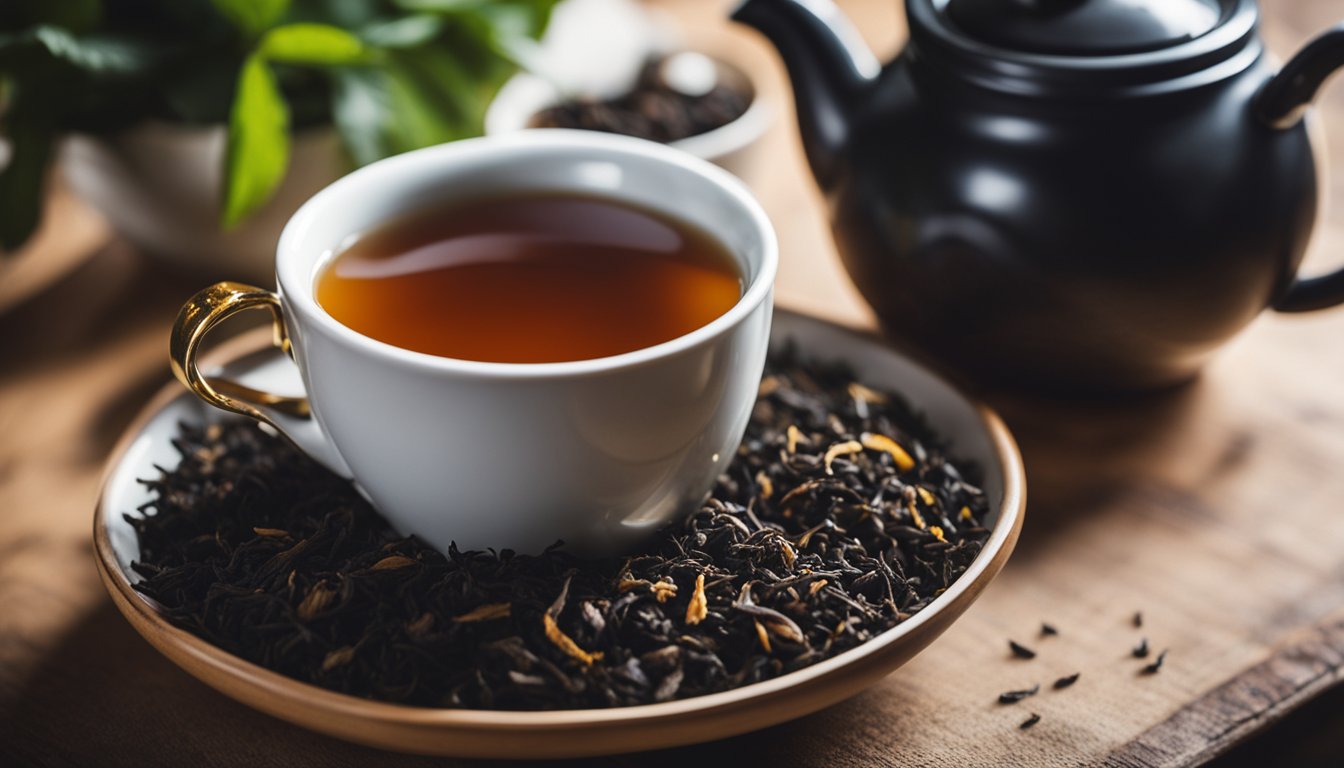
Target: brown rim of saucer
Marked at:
557, 733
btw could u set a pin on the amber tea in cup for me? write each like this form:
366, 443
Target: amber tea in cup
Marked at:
531, 278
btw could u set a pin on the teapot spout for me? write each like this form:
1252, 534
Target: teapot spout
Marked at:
828, 64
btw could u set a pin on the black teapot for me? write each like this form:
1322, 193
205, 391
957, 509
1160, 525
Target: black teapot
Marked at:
1065, 193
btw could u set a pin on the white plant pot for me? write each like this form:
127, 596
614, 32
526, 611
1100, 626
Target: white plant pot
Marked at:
160, 185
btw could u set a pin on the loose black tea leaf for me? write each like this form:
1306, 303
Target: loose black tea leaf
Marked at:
792, 560
1030, 721
1138, 619
1021, 651
657, 108
1156, 664
1048, 630
1012, 697
1065, 682
1141, 650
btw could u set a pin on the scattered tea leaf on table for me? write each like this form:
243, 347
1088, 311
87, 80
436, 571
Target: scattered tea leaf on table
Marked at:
1012, 697
1065, 682
1156, 664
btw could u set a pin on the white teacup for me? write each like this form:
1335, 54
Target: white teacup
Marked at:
597, 453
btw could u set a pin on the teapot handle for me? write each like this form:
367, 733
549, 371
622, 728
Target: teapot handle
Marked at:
1281, 103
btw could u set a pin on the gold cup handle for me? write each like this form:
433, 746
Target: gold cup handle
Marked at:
199, 315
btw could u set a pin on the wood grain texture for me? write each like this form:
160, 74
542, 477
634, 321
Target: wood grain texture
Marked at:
1214, 509
1299, 669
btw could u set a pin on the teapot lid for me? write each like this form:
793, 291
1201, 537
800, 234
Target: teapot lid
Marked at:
1084, 27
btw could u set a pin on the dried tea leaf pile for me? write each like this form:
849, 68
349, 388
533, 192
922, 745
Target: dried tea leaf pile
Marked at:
654, 109
840, 517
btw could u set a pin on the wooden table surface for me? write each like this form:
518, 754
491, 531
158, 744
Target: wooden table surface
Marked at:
1214, 509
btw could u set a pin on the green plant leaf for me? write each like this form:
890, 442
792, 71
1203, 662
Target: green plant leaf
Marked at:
30, 145
406, 32
97, 54
258, 148
526, 18
439, 6
100, 54
433, 97
362, 109
518, 18
346, 14
200, 94
312, 44
252, 17
508, 28
508, 36
414, 98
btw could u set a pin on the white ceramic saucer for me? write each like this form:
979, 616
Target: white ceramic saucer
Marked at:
973, 431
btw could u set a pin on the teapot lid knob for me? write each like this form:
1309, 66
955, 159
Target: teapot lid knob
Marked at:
1085, 27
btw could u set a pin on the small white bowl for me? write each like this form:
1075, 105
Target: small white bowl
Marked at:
733, 147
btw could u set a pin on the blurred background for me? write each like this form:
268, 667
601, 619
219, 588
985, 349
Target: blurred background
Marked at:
153, 146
